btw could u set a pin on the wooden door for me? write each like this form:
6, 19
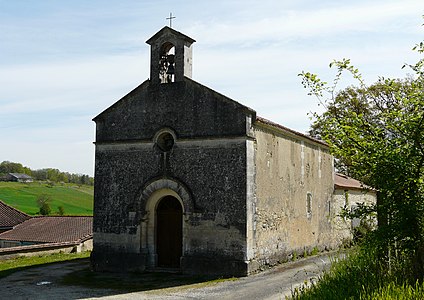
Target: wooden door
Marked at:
169, 232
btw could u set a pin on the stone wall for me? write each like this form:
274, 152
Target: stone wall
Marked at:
189, 108
349, 198
44, 249
207, 163
215, 220
288, 168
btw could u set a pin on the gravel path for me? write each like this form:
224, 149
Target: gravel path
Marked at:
276, 283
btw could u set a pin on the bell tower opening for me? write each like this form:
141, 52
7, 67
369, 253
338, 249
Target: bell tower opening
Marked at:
167, 63
170, 56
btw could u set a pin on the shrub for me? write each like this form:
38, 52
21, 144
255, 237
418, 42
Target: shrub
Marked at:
43, 202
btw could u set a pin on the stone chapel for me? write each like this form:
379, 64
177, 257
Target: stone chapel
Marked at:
189, 179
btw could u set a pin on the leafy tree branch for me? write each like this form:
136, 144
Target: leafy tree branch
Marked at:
376, 133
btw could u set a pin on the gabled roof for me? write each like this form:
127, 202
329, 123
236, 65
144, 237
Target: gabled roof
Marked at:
10, 217
136, 90
20, 176
288, 130
222, 96
347, 183
146, 83
169, 30
51, 230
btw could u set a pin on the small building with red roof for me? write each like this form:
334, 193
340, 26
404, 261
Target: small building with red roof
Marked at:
76, 230
348, 194
10, 217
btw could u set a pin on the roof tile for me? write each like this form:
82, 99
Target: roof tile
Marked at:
51, 230
10, 217
345, 182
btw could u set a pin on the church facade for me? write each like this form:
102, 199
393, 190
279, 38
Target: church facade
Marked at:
187, 178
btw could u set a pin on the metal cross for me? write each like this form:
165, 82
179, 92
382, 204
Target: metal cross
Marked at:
170, 19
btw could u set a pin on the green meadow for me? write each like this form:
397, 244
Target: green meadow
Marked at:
75, 199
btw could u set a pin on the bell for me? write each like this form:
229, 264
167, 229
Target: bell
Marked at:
171, 70
170, 58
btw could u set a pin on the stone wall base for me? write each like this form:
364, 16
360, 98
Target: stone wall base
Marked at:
117, 262
213, 266
196, 265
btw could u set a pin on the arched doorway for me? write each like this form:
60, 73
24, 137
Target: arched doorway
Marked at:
169, 232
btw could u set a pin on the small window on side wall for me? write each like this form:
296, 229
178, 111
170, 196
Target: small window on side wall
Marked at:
309, 205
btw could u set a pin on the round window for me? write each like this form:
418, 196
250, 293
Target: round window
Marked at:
165, 141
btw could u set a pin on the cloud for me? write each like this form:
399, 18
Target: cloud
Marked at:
79, 85
64, 64
276, 24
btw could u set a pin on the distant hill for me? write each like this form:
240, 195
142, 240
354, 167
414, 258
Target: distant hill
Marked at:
46, 174
75, 199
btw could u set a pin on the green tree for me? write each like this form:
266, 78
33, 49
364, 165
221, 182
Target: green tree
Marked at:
60, 211
53, 175
12, 167
376, 133
46, 174
43, 202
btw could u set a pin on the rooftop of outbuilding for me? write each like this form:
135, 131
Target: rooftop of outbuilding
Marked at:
289, 131
347, 183
10, 217
20, 176
52, 229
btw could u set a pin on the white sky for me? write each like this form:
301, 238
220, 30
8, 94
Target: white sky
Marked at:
63, 62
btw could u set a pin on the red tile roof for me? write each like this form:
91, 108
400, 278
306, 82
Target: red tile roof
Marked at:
10, 217
345, 182
51, 230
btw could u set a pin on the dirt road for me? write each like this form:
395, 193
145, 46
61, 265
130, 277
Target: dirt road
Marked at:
45, 283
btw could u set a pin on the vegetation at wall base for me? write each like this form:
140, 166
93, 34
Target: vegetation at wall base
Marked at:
362, 276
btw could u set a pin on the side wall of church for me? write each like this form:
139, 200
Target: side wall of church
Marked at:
290, 171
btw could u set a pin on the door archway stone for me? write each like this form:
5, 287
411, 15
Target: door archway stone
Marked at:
150, 198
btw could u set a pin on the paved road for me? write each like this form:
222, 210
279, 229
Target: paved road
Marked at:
276, 283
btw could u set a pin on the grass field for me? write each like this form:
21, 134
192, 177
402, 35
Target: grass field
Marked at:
10, 266
76, 200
